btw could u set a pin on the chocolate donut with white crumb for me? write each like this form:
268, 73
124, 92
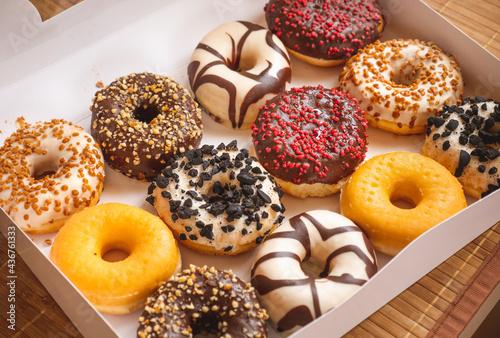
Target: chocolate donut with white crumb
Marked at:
203, 299
465, 139
217, 201
142, 120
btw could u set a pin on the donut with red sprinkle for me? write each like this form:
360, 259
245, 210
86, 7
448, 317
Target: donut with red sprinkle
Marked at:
311, 139
325, 33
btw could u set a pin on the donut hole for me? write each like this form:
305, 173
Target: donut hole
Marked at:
405, 195
311, 269
146, 112
245, 64
405, 77
44, 168
115, 253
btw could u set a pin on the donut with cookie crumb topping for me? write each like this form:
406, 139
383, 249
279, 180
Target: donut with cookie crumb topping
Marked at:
49, 171
325, 33
203, 299
217, 201
142, 120
465, 139
311, 139
402, 82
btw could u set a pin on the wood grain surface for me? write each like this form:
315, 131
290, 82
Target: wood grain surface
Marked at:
39, 316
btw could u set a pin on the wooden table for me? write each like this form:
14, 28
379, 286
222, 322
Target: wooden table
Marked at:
38, 315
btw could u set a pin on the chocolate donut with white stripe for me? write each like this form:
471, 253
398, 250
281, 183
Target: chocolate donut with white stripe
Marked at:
235, 69
466, 140
217, 201
325, 244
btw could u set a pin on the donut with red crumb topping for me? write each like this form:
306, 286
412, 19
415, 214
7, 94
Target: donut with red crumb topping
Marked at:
311, 139
325, 33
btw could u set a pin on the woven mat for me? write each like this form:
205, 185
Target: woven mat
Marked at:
439, 304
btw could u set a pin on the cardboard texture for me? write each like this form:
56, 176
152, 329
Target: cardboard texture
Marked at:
50, 70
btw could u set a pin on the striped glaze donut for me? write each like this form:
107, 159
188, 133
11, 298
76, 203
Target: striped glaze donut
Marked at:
323, 242
235, 69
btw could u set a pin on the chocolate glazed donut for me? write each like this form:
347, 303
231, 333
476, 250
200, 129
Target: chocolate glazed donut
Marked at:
235, 69
336, 249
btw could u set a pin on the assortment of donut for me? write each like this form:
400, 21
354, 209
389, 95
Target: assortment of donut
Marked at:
308, 141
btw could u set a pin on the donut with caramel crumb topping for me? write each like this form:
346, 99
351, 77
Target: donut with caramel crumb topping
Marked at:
203, 299
142, 120
325, 33
49, 171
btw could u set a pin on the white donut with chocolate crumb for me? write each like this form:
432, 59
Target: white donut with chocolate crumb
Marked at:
203, 299
217, 200
48, 171
465, 139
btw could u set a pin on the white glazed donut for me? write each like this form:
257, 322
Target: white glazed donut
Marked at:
235, 69
217, 201
48, 171
401, 83
328, 243
465, 140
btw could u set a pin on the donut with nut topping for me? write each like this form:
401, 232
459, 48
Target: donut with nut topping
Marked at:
203, 299
142, 120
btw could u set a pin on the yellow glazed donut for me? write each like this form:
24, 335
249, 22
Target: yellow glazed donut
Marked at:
368, 198
123, 286
48, 171
401, 83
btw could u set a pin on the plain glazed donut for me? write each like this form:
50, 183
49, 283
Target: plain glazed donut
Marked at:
202, 299
235, 69
401, 83
142, 120
367, 198
217, 201
310, 139
465, 140
123, 286
325, 33
48, 171
334, 248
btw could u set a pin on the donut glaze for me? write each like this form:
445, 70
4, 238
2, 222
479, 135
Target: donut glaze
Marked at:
329, 246
142, 120
217, 200
310, 135
401, 83
331, 31
465, 139
49, 171
203, 299
235, 69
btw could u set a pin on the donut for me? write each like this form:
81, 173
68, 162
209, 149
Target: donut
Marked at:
123, 286
48, 171
371, 196
315, 243
465, 140
325, 33
142, 120
310, 139
217, 201
401, 83
203, 299
234, 69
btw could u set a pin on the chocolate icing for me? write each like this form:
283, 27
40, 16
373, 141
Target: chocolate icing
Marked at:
329, 30
203, 299
266, 83
310, 135
142, 120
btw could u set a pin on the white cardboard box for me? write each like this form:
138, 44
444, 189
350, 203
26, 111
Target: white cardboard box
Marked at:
50, 70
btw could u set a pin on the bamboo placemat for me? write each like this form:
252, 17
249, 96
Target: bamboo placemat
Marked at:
439, 302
